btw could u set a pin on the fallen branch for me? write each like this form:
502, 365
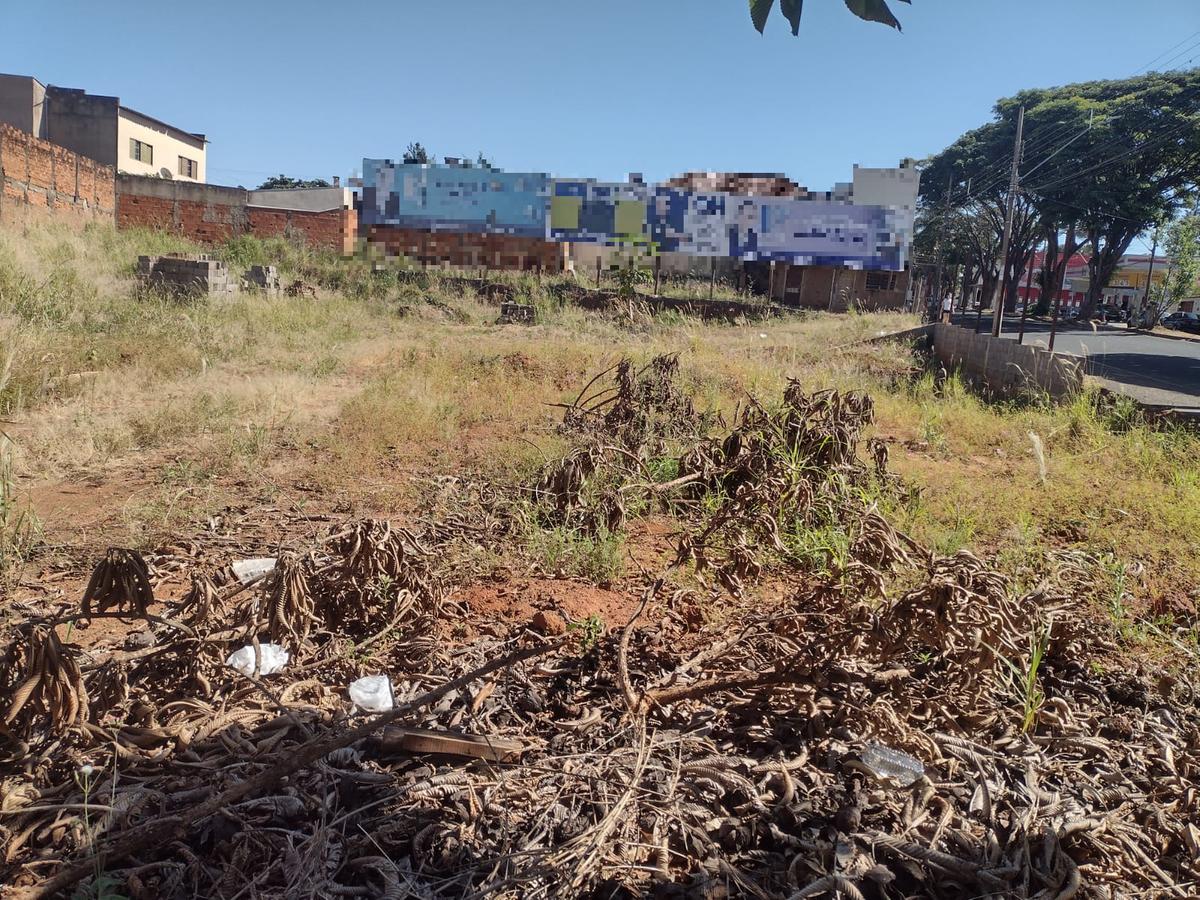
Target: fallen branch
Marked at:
174, 827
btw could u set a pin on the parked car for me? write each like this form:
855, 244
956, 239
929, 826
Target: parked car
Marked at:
1182, 321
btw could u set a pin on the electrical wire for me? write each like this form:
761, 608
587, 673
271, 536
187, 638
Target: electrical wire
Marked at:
1165, 136
1144, 68
1167, 66
995, 175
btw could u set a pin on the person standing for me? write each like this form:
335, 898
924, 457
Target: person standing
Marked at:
947, 306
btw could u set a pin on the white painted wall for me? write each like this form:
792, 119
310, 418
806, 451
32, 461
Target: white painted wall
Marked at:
167, 148
309, 199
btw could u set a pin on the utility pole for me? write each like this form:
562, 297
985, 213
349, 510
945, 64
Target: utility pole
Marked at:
999, 291
1150, 279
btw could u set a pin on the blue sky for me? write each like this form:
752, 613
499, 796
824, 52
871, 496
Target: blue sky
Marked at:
596, 89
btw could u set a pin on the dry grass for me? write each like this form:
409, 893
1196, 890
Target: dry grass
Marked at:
379, 378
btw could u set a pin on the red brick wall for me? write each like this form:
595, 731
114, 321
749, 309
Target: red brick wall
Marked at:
210, 214
495, 251
204, 213
333, 229
38, 175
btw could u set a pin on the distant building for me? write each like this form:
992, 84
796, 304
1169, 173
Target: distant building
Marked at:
1074, 275
1127, 287
103, 129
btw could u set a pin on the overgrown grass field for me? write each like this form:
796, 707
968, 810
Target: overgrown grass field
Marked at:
156, 413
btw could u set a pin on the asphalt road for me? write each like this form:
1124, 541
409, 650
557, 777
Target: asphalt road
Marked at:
1155, 370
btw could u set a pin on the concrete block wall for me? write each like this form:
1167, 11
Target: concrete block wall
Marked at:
263, 278
211, 214
39, 177
186, 274
1004, 365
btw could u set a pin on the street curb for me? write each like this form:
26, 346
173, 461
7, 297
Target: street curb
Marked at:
1170, 337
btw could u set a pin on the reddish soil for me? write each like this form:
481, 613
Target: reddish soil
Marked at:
76, 506
517, 600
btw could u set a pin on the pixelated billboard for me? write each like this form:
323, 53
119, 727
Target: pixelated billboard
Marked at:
830, 229
782, 229
454, 198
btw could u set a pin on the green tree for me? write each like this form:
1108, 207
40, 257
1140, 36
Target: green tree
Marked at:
1103, 161
1182, 247
871, 10
415, 153
283, 182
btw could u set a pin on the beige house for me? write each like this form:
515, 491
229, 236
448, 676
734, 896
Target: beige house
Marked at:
102, 129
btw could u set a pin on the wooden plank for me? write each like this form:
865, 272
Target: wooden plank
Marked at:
401, 739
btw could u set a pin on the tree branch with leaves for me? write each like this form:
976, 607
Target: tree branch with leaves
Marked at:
869, 10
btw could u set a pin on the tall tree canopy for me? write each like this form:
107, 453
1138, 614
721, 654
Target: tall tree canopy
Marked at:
1103, 162
871, 10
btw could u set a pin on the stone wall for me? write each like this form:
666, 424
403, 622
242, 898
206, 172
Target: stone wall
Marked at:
38, 177
1004, 365
211, 214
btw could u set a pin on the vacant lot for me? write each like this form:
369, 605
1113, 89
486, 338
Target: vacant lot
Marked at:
732, 559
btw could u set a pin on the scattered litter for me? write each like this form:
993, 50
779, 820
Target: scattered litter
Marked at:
272, 657
372, 693
893, 764
249, 570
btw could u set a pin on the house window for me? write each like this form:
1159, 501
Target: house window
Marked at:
188, 167
881, 281
141, 151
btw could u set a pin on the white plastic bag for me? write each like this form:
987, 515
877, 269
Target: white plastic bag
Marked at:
272, 659
894, 764
247, 570
372, 693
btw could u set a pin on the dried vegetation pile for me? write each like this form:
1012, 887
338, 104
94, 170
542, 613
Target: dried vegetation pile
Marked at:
904, 724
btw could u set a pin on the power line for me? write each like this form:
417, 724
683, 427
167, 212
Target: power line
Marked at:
1167, 135
1059, 150
1165, 52
994, 176
1166, 66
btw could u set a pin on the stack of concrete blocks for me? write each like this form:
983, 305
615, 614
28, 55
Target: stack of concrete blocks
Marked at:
1006, 367
264, 278
193, 275
520, 313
